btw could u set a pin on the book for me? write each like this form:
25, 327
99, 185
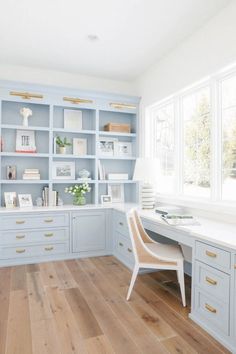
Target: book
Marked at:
178, 220
31, 170
27, 176
118, 176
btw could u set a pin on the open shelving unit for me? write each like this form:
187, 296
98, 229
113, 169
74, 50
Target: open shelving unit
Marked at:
47, 122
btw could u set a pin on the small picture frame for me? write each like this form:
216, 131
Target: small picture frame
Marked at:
63, 170
116, 191
106, 199
107, 146
10, 199
25, 141
123, 149
79, 146
73, 119
25, 200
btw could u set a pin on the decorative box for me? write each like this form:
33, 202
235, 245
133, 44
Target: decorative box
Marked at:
117, 127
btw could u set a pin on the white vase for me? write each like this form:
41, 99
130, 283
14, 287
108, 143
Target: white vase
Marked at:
62, 150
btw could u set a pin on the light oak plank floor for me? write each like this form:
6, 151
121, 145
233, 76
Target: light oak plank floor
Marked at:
79, 306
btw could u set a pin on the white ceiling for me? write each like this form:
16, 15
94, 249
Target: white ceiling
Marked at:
133, 34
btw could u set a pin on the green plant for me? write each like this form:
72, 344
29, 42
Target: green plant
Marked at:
78, 190
62, 143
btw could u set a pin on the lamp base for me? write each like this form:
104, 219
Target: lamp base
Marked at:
147, 196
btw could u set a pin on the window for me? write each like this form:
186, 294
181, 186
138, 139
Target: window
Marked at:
193, 137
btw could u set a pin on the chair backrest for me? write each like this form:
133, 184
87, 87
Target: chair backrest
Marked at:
142, 232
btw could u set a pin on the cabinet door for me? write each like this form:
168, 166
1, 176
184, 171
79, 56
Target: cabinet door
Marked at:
234, 299
89, 231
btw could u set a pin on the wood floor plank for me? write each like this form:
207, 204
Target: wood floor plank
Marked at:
176, 345
18, 278
45, 337
66, 281
5, 281
32, 268
48, 274
18, 329
98, 345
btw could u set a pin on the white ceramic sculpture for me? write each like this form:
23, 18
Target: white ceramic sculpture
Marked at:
26, 113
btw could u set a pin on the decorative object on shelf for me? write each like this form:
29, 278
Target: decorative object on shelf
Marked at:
73, 119
79, 147
25, 200
26, 113
31, 174
62, 143
10, 199
145, 171
123, 149
107, 146
78, 191
117, 127
11, 172
106, 199
63, 170
84, 174
101, 171
25, 141
118, 176
59, 202
39, 202
116, 191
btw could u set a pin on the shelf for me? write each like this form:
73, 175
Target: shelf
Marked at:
20, 127
62, 130
24, 181
21, 154
116, 158
106, 181
128, 135
70, 156
72, 181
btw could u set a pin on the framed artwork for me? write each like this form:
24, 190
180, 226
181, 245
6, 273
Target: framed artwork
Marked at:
123, 149
107, 146
25, 141
116, 191
63, 170
73, 119
25, 200
10, 199
79, 146
106, 199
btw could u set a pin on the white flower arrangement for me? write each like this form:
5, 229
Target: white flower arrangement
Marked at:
78, 190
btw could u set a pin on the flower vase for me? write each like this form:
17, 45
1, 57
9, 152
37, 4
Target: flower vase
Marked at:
79, 200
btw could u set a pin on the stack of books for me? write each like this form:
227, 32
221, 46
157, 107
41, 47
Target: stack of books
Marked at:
54, 198
31, 173
45, 196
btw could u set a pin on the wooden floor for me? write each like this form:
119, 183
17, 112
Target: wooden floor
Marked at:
79, 306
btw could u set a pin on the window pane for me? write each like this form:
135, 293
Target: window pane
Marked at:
197, 140
163, 124
229, 139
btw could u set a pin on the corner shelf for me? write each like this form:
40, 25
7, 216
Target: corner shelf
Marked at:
128, 135
70, 156
62, 130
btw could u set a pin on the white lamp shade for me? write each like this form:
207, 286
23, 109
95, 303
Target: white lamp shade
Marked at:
145, 170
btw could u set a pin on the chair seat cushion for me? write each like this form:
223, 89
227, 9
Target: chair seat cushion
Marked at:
168, 252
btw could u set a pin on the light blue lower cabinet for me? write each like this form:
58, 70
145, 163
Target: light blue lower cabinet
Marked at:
234, 297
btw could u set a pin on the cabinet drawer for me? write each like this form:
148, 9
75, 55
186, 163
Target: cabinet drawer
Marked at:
213, 256
32, 236
213, 281
34, 251
120, 224
214, 313
23, 221
124, 247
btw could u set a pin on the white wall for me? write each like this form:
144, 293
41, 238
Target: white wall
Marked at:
208, 50
63, 79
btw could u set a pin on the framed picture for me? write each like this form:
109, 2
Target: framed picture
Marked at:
106, 199
10, 199
25, 200
116, 191
123, 149
25, 141
107, 147
79, 146
63, 170
73, 119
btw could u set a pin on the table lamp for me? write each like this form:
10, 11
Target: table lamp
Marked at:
145, 172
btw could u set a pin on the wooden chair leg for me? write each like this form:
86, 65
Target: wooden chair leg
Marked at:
182, 285
134, 276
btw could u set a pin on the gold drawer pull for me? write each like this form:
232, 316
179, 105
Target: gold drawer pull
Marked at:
76, 100
121, 244
210, 308
121, 223
48, 220
20, 251
129, 250
48, 248
211, 281
211, 254
20, 222
26, 95
19, 237
49, 235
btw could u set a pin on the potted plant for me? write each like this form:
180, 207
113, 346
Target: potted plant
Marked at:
62, 144
78, 191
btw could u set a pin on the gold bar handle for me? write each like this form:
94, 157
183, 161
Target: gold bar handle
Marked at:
211, 254
121, 244
211, 281
26, 95
48, 220
76, 100
49, 234
210, 308
19, 237
122, 105
48, 248
129, 250
20, 251
19, 222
